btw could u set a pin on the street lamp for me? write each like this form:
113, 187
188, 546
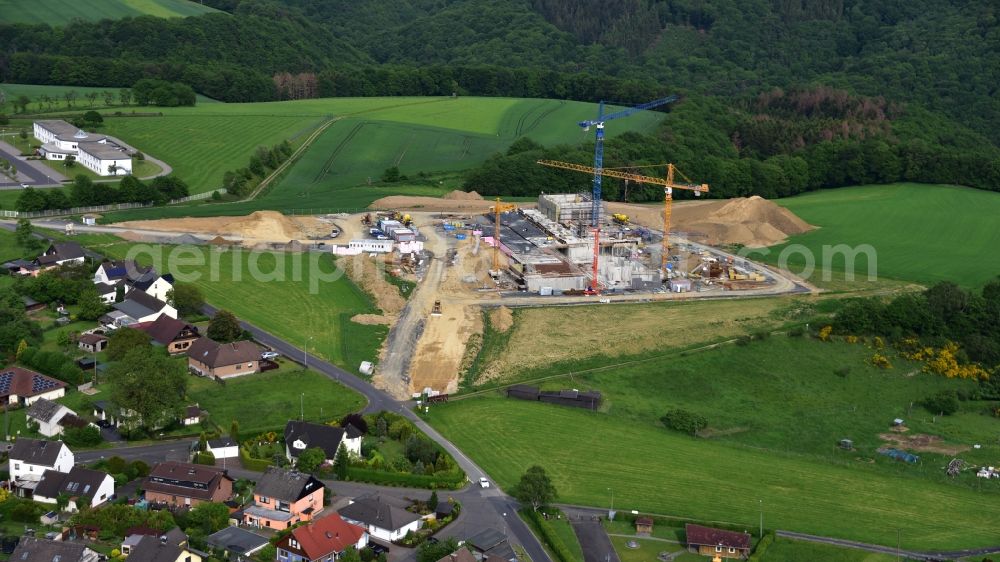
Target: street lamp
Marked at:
761, 536
611, 513
302, 407
305, 354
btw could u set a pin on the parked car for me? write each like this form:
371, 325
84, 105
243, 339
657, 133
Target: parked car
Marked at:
24, 186
269, 355
378, 549
483, 482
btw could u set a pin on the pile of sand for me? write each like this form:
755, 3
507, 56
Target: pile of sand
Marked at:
367, 274
501, 319
402, 202
459, 195
750, 221
371, 319
261, 226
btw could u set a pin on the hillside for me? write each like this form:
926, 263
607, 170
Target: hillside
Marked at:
61, 12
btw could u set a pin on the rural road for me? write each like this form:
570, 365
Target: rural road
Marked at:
28, 171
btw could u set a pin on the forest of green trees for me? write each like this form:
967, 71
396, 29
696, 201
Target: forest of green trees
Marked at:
930, 68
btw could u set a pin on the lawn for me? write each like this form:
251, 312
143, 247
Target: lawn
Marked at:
57, 93
266, 401
922, 233
787, 550
648, 550
59, 12
777, 411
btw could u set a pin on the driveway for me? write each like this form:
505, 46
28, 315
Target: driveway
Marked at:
593, 539
28, 171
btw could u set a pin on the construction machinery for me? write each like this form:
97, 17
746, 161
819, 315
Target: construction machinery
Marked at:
668, 184
598, 125
436, 309
620, 218
497, 210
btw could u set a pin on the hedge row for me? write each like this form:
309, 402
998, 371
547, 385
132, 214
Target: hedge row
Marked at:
758, 553
452, 481
259, 465
549, 536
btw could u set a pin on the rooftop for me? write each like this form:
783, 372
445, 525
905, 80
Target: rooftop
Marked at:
286, 485
237, 540
698, 535
215, 354
22, 382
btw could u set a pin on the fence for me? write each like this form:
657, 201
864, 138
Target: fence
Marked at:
101, 208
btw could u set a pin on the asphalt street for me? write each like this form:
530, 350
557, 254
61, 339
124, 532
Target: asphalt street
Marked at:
36, 177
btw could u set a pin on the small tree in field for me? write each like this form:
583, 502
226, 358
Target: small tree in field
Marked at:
535, 488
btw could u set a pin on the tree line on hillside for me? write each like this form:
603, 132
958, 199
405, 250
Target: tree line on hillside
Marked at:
773, 145
83, 192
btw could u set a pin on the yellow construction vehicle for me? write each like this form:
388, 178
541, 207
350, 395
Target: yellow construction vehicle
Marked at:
620, 218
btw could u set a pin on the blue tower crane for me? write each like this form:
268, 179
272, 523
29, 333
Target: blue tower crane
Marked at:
598, 124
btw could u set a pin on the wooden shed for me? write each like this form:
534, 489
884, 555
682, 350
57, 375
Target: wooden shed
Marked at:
644, 526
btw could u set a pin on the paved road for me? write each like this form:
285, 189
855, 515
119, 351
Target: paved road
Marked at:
34, 174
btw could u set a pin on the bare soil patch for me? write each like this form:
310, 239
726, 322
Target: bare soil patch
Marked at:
372, 319
751, 221
403, 202
921, 442
439, 352
260, 226
459, 195
501, 319
369, 275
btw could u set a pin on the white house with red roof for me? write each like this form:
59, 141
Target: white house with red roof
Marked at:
322, 539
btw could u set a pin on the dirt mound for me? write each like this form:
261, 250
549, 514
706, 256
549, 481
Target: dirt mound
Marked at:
501, 319
269, 226
371, 319
370, 277
751, 221
459, 195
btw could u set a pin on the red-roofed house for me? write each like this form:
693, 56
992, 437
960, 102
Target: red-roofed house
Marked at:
707, 541
176, 335
26, 386
322, 539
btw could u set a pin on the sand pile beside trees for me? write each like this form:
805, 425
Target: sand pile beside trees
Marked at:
750, 221
459, 195
268, 226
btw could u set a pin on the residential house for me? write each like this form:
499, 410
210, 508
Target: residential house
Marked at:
161, 549
98, 153
92, 343
19, 385
134, 535
30, 458
57, 254
708, 541
325, 539
110, 272
31, 305
182, 484
490, 544
236, 543
21, 267
192, 416
83, 486
52, 417
301, 435
108, 293
283, 498
31, 549
176, 335
380, 519
153, 284
209, 358
461, 555
132, 276
223, 448
140, 307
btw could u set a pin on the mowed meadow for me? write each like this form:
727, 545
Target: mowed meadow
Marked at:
920, 232
60, 12
776, 409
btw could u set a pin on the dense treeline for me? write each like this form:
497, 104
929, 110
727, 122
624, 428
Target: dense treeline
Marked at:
263, 161
85, 193
774, 145
940, 314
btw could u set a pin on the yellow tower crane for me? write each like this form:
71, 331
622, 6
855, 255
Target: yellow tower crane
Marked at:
497, 209
668, 184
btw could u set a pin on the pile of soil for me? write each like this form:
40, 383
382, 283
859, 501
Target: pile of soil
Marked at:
371, 319
750, 221
459, 195
501, 319
269, 226
467, 205
366, 274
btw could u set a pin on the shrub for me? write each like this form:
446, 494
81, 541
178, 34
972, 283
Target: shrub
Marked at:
556, 544
204, 457
684, 421
87, 436
944, 403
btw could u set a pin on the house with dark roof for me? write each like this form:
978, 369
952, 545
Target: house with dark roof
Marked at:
30, 458
283, 498
21, 267
461, 555
31, 549
236, 543
209, 358
141, 307
92, 343
380, 519
52, 417
131, 276
192, 416
174, 334
182, 484
20, 385
490, 544
161, 549
708, 541
60, 253
83, 486
323, 539
223, 448
134, 535
113, 271
302, 435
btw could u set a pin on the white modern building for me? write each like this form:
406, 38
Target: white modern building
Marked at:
97, 153
30, 458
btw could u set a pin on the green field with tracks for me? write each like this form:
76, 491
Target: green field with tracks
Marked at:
60, 12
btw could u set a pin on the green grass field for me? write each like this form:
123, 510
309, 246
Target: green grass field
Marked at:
777, 410
59, 12
81, 104
921, 233
787, 550
276, 397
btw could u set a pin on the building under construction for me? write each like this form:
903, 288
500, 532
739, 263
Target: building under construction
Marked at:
566, 208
